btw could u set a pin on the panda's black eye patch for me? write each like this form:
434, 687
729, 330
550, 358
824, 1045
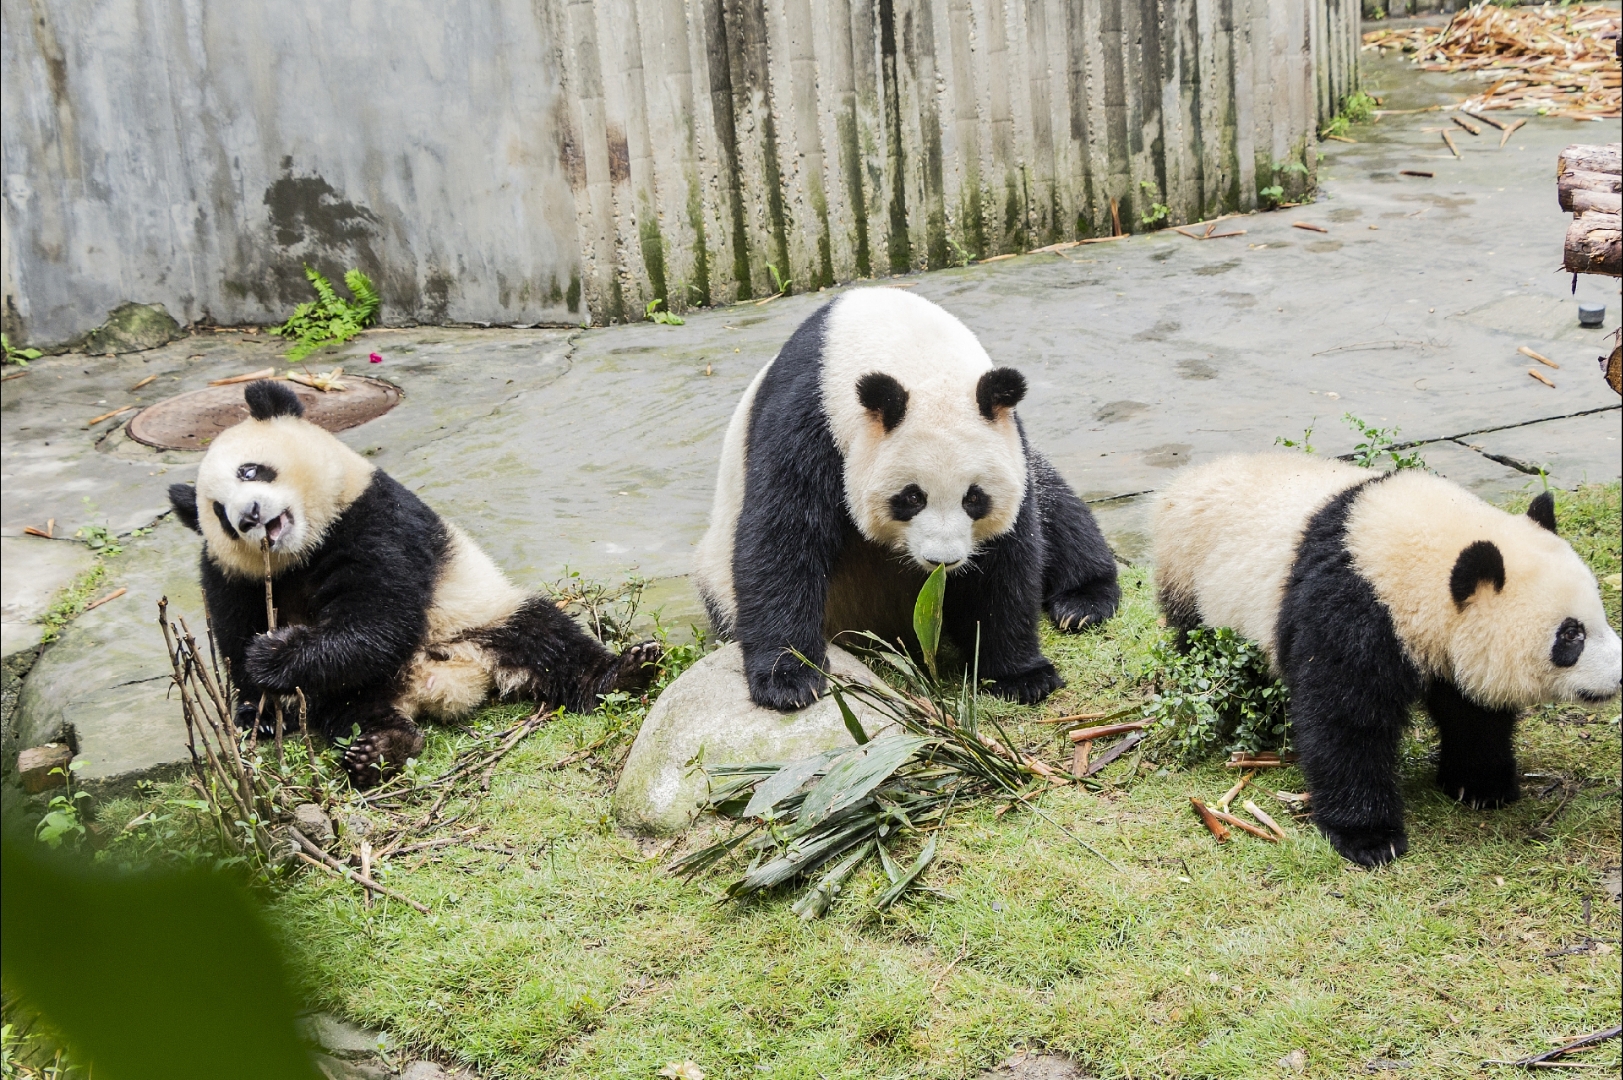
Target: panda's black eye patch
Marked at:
225, 520
977, 503
1569, 643
263, 474
906, 503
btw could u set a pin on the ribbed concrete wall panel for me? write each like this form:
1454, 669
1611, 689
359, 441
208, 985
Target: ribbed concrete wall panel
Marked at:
565, 161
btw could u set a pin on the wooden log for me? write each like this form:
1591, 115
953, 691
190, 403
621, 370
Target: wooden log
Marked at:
1595, 245
1612, 366
1601, 158
1600, 202
1568, 184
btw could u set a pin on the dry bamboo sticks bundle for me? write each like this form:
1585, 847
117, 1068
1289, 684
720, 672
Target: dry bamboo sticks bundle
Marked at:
1560, 61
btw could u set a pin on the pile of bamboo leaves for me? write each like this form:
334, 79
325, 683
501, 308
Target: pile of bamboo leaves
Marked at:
819, 819
1559, 61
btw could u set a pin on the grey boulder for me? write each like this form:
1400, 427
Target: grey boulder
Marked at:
707, 715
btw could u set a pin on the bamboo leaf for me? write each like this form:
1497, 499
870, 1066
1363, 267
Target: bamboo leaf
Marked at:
927, 614
820, 896
901, 885
787, 781
848, 716
856, 774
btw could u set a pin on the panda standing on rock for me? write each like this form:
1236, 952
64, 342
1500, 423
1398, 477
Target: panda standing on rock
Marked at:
387, 614
880, 443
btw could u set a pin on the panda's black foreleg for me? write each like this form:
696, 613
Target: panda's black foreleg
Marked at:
561, 664
1079, 571
993, 604
790, 533
1477, 765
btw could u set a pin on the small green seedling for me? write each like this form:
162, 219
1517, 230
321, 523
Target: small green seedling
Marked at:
664, 318
1379, 443
927, 614
1304, 444
20, 357
779, 282
1273, 194
1158, 211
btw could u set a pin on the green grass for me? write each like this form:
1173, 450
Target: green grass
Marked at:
585, 958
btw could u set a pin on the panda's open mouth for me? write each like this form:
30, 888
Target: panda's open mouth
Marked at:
276, 526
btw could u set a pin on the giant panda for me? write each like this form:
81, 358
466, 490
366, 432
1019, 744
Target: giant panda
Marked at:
879, 443
1370, 591
386, 614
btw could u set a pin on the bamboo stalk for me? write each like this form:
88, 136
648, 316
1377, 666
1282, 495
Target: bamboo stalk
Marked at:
1228, 796
1257, 812
1208, 819
1229, 819
1089, 734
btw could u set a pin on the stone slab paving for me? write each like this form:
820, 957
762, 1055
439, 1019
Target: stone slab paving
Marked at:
32, 571
596, 450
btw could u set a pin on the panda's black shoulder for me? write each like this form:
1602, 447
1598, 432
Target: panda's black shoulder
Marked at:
387, 521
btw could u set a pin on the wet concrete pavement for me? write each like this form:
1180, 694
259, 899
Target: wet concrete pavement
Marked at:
595, 450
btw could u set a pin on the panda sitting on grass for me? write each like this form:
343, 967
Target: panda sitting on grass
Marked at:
880, 443
386, 613
1371, 591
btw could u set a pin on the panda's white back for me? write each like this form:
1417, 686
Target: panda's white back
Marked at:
1226, 534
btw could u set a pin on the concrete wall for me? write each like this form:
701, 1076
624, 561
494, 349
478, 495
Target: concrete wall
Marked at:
560, 161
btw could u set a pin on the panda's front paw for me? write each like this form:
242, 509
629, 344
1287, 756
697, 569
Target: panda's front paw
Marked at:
786, 689
1366, 847
381, 752
1028, 687
270, 655
1482, 791
1082, 608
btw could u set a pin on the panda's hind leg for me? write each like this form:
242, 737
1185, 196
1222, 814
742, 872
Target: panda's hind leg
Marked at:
1079, 571
386, 740
540, 652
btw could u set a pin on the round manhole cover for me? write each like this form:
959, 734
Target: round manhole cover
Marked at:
191, 421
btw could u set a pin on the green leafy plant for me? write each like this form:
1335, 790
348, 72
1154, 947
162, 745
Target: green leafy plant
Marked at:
17, 356
1216, 694
1338, 126
1359, 107
1158, 211
1380, 443
664, 318
62, 820
329, 319
1304, 444
779, 282
826, 815
1273, 194
961, 256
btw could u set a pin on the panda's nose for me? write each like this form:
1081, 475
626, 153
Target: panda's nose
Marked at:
250, 518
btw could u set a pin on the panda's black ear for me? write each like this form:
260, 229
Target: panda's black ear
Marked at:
882, 394
183, 497
1479, 562
1542, 510
267, 399
1000, 388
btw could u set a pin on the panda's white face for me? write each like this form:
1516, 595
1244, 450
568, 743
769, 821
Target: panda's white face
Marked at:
934, 465
283, 480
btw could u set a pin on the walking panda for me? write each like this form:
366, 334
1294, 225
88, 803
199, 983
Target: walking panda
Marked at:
386, 613
881, 442
1370, 591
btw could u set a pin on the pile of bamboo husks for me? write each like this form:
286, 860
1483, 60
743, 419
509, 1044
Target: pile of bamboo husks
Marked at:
1589, 184
1558, 61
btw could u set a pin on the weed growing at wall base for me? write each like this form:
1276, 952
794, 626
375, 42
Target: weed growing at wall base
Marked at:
329, 319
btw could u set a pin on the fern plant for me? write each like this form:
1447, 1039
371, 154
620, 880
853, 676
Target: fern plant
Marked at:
329, 319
